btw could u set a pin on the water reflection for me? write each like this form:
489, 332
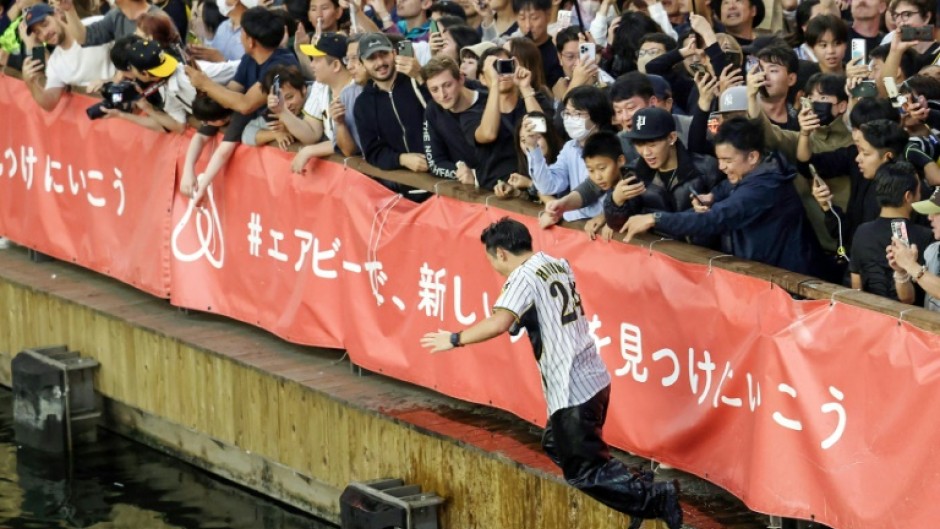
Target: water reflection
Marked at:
117, 484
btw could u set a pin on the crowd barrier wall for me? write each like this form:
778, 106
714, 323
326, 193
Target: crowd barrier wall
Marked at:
805, 409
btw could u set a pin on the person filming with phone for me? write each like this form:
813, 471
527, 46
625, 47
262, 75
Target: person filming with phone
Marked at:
68, 65
908, 270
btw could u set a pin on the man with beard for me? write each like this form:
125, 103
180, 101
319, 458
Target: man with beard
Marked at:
390, 111
68, 65
448, 153
866, 22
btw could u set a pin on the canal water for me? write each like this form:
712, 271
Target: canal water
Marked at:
118, 484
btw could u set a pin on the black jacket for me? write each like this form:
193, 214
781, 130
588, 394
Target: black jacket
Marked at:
390, 123
762, 218
693, 172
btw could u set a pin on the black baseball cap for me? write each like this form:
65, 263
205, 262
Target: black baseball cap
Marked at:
330, 44
373, 42
149, 56
651, 123
36, 14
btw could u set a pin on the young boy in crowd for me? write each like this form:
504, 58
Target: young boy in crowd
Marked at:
288, 89
606, 181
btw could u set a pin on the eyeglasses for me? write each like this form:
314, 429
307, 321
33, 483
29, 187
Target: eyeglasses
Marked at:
352, 59
651, 52
569, 56
904, 16
575, 114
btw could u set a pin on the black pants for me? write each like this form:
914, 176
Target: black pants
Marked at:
572, 439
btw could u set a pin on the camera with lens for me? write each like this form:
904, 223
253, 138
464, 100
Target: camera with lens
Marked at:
116, 96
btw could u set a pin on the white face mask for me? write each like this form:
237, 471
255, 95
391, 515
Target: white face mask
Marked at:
224, 8
576, 128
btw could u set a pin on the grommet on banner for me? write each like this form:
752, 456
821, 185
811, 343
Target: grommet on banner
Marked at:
713, 258
832, 299
436, 191
654, 242
903, 312
346, 162
486, 201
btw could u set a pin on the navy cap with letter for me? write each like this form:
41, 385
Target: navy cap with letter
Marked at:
651, 123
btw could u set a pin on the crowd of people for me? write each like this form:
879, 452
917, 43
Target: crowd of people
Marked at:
796, 133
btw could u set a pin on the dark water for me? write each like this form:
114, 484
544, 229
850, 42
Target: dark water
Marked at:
118, 484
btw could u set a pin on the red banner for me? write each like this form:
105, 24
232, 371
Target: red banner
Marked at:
801, 408
96, 193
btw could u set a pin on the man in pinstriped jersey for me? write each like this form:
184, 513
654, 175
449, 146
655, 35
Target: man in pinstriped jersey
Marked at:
540, 296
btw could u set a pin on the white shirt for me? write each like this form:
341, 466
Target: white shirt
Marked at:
178, 94
541, 294
78, 66
318, 105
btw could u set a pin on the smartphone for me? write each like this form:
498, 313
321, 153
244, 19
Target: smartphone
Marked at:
865, 89
505, 66
587, 51
697, 68
434, 28
406, 48
859, 49
697, 196
539, 124
276, 85
817, 181
752, 63
891, 87
805, 102
39, 54
563, 20
899, 231
923, 33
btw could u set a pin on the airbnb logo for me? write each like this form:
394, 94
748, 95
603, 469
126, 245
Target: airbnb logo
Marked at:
211, 242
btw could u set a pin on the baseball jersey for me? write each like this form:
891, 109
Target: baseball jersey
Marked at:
541, 295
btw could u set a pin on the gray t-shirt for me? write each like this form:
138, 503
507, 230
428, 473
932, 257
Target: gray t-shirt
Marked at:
932, 260
113, 26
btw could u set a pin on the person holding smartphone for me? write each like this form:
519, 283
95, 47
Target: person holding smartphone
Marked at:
897, 188
904, 259
68, 65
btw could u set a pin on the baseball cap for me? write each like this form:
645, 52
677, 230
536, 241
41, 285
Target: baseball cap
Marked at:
37, 14
651, 123
733, 99
373, 42
150, 57
931, 206
661, 87
330, 44
479, 48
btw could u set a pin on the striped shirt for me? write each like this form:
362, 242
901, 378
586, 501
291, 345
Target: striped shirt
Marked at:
541, 295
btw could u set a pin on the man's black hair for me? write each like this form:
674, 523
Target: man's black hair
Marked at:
804, 11
120, 53
603, 144
780, 55
446, 7
538, 5
510, 235
908, 58
922, 85
630, 85
869, 109
212, 18
565, 36
288, 75
668, 42
742, 134
593, 101
818, 26
827, 84
445, 22
463, 36
886, 135
264, 26
892, 181
207, 109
